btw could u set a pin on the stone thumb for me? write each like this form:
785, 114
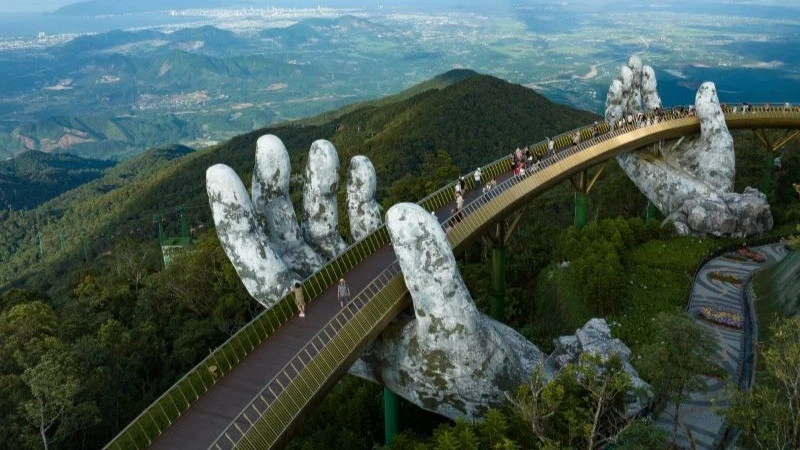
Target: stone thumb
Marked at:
441, 300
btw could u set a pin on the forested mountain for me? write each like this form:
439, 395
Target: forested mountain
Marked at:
87, 303
34, 177
91, 269
472, 120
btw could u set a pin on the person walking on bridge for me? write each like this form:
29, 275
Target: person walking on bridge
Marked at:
477, 177
299, 300
343, 293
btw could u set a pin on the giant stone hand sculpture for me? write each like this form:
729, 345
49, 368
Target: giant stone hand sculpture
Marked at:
691, 183
446, 356
260, 235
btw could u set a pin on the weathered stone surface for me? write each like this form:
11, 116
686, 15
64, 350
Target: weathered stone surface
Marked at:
449, 358
261, 236
699, 167
362, 209
614, 101
270, 191
320, 226
595, 338
724, 214
710, 157
650, 98
262, 272
634, 100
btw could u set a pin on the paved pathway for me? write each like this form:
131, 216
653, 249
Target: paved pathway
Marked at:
698, 415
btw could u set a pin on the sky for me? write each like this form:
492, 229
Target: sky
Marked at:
32, 5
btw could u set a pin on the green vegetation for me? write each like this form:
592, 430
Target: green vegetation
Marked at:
583, 406
34, 177
120, 328
777, 288
78, 369
767, 414
682, 351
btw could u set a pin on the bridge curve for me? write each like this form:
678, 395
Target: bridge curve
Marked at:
254, 390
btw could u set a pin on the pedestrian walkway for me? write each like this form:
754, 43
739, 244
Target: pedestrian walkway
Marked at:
698, 416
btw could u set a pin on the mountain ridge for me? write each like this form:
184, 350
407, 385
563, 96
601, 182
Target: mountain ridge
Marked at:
487, 116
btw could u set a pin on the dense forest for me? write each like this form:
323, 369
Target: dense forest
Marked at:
92, 322
33, 177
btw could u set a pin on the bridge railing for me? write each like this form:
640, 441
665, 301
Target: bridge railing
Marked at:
146, 427
263, 421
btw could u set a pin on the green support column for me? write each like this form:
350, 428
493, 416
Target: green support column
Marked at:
581, 200
768, 175
499, 257
391, 415
651, 211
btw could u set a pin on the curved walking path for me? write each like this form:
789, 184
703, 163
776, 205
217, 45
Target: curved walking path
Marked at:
698, 415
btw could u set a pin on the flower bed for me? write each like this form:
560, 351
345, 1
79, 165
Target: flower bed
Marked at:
735, 256
749, 254
722, 317
725, 277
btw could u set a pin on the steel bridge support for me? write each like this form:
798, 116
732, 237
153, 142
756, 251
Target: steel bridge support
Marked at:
391, 415
650, 213
582, 183
768, 169
498, 240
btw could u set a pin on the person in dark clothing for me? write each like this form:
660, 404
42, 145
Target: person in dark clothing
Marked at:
343, 293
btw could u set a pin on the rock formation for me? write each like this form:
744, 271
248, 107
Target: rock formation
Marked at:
261, 270
698, 169
273, 206
595, 338
724, 214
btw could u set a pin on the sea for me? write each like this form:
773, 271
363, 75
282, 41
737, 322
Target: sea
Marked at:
29, 25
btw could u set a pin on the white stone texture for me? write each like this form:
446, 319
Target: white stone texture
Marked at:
724, 214
262, 272
261, 236
700, 168
614, 101
446, 357
650, 98
362, 209
595, 338
320, 226
711, 157
270, 192
449, 358
634, 93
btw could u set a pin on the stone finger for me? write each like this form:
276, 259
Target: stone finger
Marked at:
320, 226
650, 98
274, 209
440, 297
362, 208
711, 157
634, 92
262, 272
